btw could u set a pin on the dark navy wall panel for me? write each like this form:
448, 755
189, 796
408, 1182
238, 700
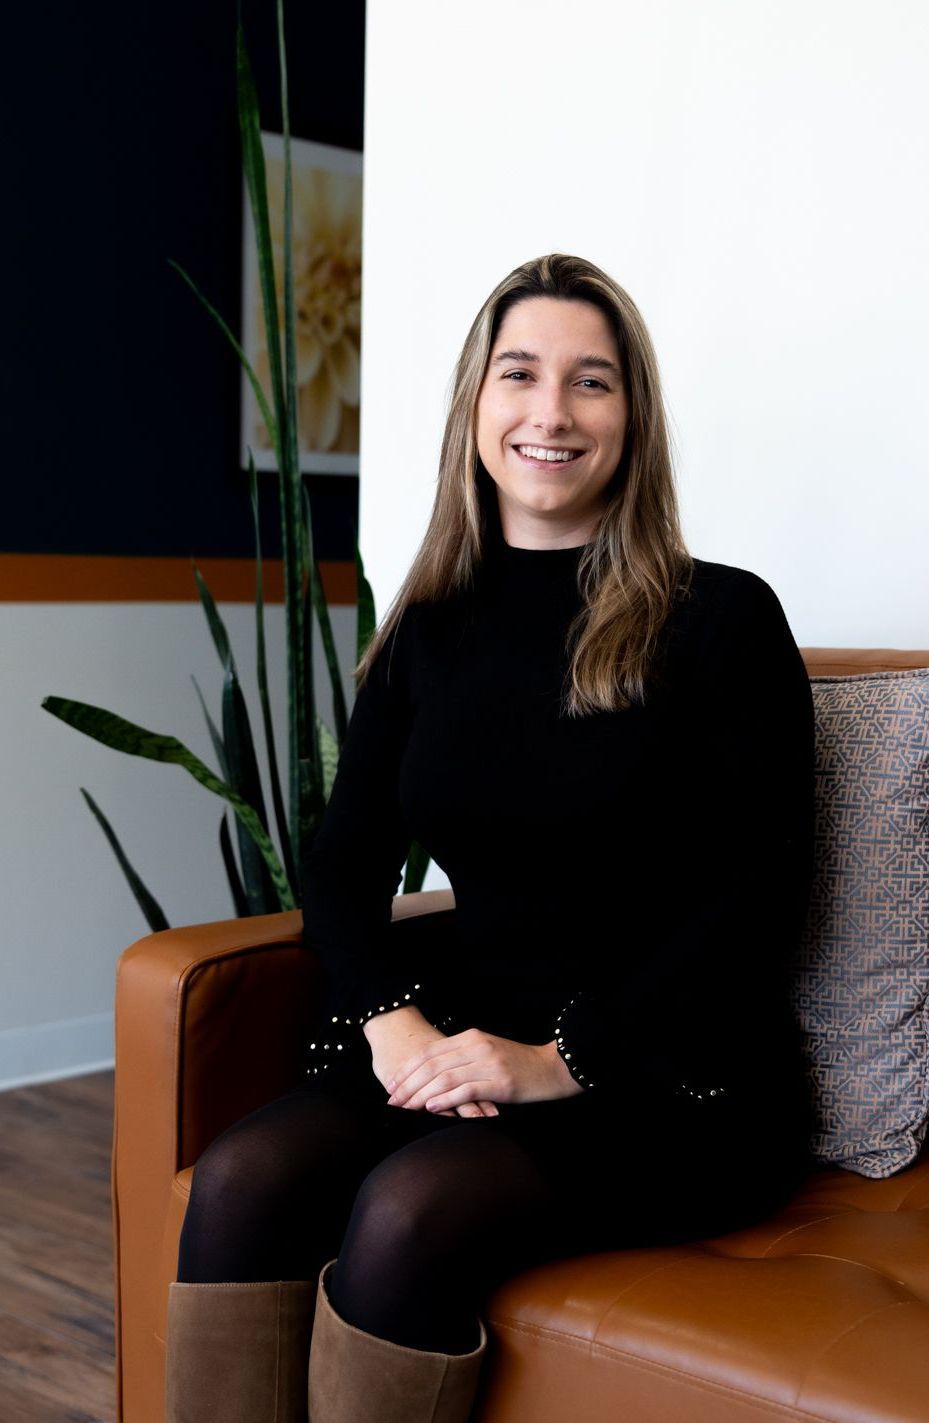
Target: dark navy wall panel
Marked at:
121, 398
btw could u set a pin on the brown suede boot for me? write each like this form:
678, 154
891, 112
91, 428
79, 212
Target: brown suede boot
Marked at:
237, 1352
356, 1377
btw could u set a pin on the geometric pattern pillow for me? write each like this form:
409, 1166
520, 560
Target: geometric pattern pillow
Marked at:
861, 976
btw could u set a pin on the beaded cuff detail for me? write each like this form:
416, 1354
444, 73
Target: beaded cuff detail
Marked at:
386, 1007
344, 1046
568, 1057
328, 1047
685, 1089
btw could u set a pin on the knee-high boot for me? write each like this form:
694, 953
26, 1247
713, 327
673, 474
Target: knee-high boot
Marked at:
238, 1352
355, 1377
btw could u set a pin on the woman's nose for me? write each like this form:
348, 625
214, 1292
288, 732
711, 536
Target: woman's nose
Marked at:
552, 410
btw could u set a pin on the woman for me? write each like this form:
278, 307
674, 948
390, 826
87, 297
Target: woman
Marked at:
608, 746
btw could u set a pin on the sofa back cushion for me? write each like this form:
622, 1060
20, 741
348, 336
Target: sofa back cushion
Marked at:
861, 979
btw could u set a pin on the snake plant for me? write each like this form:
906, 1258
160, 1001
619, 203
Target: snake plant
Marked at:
267, 880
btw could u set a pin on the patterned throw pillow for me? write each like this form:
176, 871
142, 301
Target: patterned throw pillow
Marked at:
861, 980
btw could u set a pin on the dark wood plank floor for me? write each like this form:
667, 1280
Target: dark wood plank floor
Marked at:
57, 1360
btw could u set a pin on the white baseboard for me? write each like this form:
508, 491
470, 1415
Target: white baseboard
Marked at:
49, 1052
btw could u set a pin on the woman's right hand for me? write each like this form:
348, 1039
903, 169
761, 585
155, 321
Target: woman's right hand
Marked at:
395, 1037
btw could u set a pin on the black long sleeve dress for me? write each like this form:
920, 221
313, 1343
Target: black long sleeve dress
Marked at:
632, 884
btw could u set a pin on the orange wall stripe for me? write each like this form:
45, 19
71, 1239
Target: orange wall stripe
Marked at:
102, 578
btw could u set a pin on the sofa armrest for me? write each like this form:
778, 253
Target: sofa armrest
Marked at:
210, 1021
207, 1027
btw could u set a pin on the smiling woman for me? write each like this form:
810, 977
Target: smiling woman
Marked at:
540, 409
607, 744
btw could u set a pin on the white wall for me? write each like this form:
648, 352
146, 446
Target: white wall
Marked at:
67, 912
754, 175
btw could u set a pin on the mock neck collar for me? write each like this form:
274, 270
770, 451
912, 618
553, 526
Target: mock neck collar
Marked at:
518, 555
541, 573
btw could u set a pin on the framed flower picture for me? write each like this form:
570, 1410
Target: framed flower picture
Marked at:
327, 187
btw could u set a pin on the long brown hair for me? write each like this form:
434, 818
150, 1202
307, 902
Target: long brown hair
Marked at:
636, 563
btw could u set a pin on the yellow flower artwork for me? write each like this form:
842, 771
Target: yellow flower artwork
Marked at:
327, 188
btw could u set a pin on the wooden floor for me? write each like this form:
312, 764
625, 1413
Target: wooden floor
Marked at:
56, 1253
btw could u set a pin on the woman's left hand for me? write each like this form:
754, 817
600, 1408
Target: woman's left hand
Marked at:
478, 1066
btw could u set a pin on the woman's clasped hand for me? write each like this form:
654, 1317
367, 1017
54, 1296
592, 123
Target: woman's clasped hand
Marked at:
477, 1066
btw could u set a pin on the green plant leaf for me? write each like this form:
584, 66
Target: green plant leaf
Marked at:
216, 624
239, 898
152, 910
253, 165
329, 756
121, 735
309, 669
298, 709
417, 862
318, 600
253, 380
277, 798
244, 778
219, 749
241, 763
286, 445
367, 621
312, 802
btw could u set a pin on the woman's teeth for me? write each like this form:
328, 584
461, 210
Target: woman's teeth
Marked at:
534, 452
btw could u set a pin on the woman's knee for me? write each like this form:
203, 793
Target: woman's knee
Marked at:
225, 1178
391, 1208
442, 1195
302, 1142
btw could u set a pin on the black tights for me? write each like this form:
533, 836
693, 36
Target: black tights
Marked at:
426, 1213
422, 1223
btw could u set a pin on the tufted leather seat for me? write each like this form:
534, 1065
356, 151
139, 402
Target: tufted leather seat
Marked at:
819, 1312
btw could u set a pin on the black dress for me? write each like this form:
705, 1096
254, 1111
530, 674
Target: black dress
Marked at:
631, 884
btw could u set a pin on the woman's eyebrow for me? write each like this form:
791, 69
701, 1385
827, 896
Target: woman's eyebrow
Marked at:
599, 363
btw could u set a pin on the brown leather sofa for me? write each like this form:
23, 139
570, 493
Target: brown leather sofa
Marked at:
819, 1313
